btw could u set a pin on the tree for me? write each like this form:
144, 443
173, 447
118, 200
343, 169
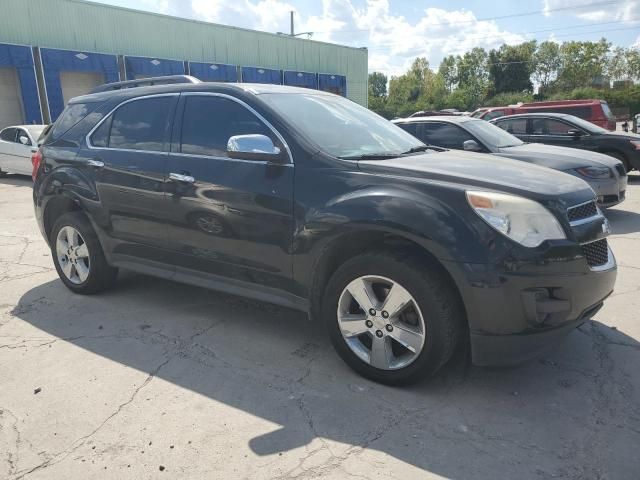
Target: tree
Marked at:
617, 64
510, 68
473, 76
448, 72
632, 56
583, 63
547, 64
377, 85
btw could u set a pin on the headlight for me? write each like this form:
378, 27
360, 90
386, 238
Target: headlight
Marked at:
594, 172
523, 220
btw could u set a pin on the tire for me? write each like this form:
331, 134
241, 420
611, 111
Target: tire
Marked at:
621, 156
92, 273
432, 297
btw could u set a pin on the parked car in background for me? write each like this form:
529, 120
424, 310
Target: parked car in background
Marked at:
400, 249
606, 175
17, 144
574, 132
594, 111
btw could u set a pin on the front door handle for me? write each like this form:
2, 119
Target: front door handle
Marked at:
179, 177
95, 163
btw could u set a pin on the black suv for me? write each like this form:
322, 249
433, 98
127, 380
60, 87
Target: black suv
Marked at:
305, 199
569, 131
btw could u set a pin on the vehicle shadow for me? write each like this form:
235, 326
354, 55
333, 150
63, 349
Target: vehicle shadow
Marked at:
623, 221
573, 412
16, 180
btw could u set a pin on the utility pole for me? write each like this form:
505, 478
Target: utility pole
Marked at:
292, 32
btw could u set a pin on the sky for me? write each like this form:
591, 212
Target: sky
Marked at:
398, 31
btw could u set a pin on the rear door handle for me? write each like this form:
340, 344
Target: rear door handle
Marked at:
179, 177
95, 163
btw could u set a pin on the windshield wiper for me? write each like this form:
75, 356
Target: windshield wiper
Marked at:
422, 148
371, 156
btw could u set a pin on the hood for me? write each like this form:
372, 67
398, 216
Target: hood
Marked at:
486, 171
558, 158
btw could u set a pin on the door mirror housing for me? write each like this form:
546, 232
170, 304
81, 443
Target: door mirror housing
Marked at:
254, 147
574, 132
24, 140
471, 146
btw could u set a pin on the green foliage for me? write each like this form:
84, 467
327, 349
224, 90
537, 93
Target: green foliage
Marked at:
511, 67
377, 85
504, 76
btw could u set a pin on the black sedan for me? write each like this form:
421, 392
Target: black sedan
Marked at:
606, 175
574, 132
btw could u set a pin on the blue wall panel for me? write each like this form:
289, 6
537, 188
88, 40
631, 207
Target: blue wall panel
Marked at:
333, 83
261, 75
56, 61
152, 67
301, 79
20, 58
214, 72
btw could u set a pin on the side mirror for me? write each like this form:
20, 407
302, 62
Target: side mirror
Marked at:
574, 132
254, 147
24, 140
471, 146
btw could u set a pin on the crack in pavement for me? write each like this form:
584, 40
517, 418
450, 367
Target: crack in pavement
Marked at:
58, 457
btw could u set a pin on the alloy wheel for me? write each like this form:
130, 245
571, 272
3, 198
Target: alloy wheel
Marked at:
73, 255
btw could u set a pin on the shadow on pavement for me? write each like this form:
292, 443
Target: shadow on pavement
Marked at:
623, 221
575, 412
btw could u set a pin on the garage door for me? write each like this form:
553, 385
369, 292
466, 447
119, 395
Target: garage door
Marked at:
11, 111
75, 84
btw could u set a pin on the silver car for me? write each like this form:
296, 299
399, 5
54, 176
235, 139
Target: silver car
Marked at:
604, 174
17, 144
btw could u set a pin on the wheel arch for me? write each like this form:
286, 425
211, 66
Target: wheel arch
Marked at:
352, 243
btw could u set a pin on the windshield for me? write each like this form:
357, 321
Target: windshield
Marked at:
341, 127
585, 125
491, 135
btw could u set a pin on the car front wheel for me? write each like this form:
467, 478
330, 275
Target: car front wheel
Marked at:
393, 318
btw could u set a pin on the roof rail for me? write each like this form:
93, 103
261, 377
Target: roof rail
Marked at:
143, 82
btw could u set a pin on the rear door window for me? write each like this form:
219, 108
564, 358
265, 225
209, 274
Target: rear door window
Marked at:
8, 135
445, 135
516, 126
137, 125
548, 126
209, 121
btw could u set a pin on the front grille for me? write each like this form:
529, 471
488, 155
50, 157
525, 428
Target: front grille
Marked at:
580, 212
596, 253
621, 170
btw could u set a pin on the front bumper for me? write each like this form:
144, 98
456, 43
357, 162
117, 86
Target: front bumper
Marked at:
609, 192
517, 311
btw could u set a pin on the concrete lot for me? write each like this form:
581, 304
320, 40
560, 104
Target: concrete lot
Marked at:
161, 380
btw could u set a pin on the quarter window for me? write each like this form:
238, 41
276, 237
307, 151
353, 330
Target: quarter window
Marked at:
137, 125
209, 121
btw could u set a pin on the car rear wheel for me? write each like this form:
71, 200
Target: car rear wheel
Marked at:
78, 256
392, 318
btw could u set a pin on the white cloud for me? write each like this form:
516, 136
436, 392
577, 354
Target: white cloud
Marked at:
594, 10
393, 40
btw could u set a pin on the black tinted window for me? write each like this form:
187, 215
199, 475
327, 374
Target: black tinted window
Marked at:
494, 114
445, 135
547, 126
517, 126
71, 115
141, 124
411, 128
209, 122
8, 135
100, 137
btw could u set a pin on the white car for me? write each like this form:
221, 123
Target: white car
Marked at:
17, 144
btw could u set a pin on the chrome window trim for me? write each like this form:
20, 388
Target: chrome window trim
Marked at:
97, 125
215, 157
248, 107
